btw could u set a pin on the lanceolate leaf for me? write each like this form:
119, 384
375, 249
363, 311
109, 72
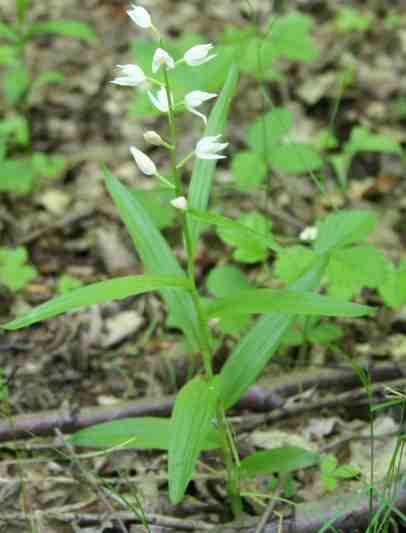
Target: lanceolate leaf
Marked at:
104, 291
203, 170
138, 433
242, 233
253, 301
277, 461
256, 348
192, 420
156, 255
68, 28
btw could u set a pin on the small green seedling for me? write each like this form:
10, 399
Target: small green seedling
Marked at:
331, 473
15, 274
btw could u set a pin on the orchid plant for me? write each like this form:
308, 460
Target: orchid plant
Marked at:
198, 420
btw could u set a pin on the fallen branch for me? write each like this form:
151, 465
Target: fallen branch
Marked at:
259, 399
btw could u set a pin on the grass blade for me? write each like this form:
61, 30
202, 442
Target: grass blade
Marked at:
256, 348
156, 255
203, 171
191, 422
103, 291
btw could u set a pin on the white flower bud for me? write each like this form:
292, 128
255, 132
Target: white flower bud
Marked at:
179, 203
144, 163
199, 54
195, 99
133, 75
152, 137
140, 16
161, 57
208, 148
309, 234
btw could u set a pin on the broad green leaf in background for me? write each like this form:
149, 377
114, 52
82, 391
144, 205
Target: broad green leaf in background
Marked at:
14, 272
46, 166
156, 255
294, 158
67, 283
252, 249
350, 19
138, 433
203, 170
277, 461
222, 281
16, 176
290, 37
15, 128
191, 422
103, 291
16, 82
256, 348
251, 234
293, 261
364, 140
254, 301
393, 289
342, 228
248, 169
67, 28
352, 268
8, 55
268, 130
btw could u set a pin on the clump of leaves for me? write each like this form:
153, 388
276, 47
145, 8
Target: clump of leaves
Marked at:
331, 473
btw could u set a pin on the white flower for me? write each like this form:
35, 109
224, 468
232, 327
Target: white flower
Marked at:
161, 57
152, 137
133, 75
309, 234
144, 163
195, 99
179, 203
197, 55
160, 101
140, 16
207, 148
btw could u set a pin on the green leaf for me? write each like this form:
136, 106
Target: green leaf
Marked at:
342, 228
136, 433
393, 289
47, 166
290, 37
156, 203
203, 170
47, 77
350, 19
14, 273
225, 280
22, 7
16, 175
249, 234
248, 169
192, 419
294, 158
256, 348
364, 140
277, 461
16, 82
67, 283
328, 464
8, 55
347, 472
252, 243
67, 28
103, 291
293, 262
253, 301
351, 269
15, 128
156, 255
268, 130
325, 334
8, 32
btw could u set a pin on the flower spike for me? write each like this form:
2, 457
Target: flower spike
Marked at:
144, 163
195, 99
132, 76
140, 16
208, 148
161, 57
199, 54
